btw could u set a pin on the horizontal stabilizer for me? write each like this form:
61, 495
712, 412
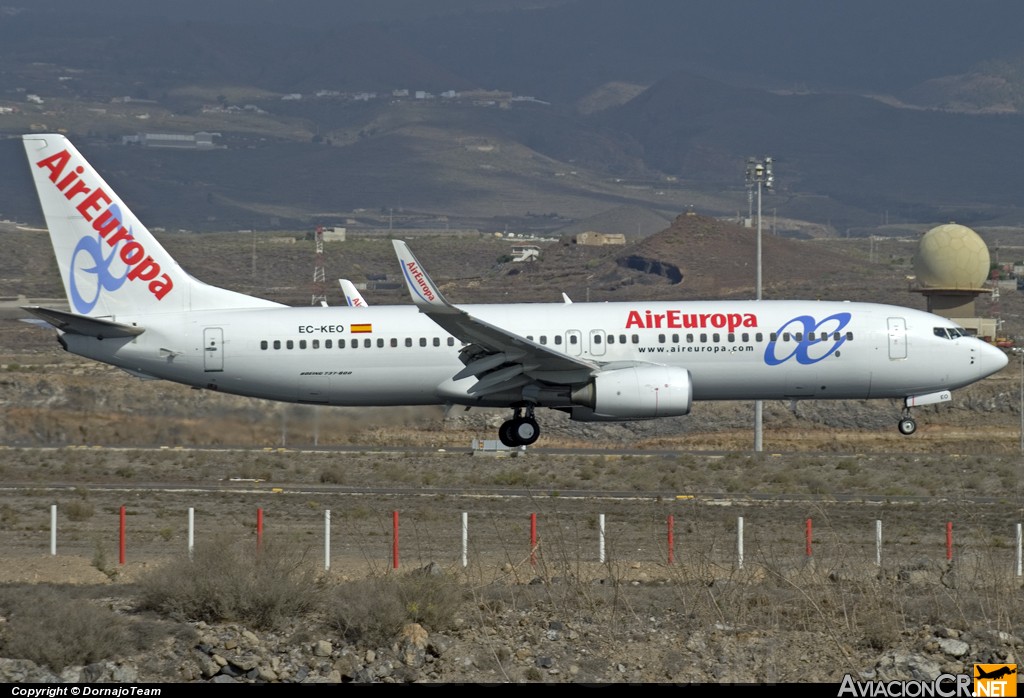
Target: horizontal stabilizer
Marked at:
86, 326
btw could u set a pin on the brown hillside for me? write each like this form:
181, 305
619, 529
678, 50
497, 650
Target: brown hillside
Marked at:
716, 257
702, 257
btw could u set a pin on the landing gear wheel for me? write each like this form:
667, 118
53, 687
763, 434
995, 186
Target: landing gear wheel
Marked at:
907, 426
520, 430
506, 433
525, 430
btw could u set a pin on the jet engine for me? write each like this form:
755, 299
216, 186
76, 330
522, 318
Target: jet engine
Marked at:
637, 392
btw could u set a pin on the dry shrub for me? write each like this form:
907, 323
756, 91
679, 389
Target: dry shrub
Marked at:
374, 610
47, 626
260, 588
78, 510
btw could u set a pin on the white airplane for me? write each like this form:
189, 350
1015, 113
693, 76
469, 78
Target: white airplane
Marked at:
132, 306
353, 298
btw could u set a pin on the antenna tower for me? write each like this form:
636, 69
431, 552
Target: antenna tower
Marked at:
319, 292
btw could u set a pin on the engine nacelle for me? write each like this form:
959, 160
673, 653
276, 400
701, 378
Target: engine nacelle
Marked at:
637, 392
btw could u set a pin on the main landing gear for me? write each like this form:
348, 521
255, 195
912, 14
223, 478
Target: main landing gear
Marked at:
520, 430
906, 425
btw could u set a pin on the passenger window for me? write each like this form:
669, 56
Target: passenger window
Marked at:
316, 343
423, 341
367, 343
785, 336
380, 343
689, 338
703, 337
543, 339
394, 342
451, 341
849, 335
341, 343
573, 339
636, 339
289, 344
745, 336
277, 343
611, 339
661, 339
437, 341
408, 341
716, 338
730, 337
774, 337
558, 339
760, 337
355, 343
263, 344
799, 336
328, 344
597, 339
302, 344
622, 338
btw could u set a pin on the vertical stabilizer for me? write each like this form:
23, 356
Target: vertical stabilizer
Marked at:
352, 296
109, 262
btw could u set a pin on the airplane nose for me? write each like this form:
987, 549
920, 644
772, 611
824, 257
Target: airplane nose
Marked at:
993, 360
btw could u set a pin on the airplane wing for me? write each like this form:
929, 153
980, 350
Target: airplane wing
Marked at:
80, 324
500, 359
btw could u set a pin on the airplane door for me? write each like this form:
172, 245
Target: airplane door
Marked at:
597, 342
573, 342
897, 338
213, 351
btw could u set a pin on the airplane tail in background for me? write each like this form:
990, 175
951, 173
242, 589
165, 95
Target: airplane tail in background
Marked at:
109, 262
352, 296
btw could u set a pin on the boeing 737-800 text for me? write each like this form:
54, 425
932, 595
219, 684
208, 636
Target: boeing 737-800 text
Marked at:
133, 306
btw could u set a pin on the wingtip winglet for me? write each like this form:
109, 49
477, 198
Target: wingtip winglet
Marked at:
421, 287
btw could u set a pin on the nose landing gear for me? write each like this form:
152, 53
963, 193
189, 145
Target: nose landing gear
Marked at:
520, 430
906, 425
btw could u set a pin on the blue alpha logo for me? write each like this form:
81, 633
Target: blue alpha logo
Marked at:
88, 261
807, 340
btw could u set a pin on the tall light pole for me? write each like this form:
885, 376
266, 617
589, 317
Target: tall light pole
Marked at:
759, 172
1019, 353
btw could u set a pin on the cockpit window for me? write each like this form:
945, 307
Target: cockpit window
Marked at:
949, 332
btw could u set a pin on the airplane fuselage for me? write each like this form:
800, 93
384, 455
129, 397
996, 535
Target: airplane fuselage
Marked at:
395, 355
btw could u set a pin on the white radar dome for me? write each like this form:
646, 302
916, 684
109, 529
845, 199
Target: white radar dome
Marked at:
952, 256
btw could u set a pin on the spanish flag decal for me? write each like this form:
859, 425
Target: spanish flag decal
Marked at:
361, 329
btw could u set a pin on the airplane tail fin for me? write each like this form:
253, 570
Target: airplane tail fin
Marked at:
352, 296
109, 262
